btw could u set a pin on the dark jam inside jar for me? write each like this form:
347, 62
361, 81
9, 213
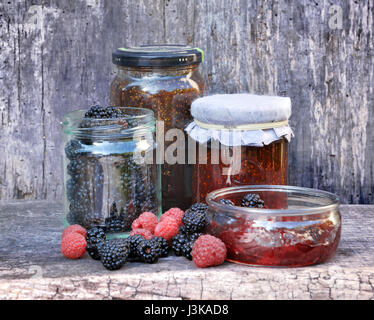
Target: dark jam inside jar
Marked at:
265, 165
168, 91
165, 79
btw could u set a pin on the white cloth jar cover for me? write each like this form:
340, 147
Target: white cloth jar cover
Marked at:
240, 119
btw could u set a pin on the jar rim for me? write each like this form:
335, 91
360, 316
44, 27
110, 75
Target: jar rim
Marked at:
333, 201
104, 128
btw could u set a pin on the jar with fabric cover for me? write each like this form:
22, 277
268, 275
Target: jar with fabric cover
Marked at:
242, 140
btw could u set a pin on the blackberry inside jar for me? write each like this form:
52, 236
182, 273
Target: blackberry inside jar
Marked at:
109, 174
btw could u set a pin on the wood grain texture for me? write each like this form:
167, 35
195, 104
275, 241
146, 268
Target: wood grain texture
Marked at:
55, 56
35, 269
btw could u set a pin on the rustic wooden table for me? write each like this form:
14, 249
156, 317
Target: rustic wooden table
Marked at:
32, 267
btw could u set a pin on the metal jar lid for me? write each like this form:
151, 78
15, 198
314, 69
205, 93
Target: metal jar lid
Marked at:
157, 56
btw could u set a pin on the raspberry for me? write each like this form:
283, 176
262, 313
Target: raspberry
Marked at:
208, 251
167, 228
75, 228
174, 213
73, 245
143, 232
147, 220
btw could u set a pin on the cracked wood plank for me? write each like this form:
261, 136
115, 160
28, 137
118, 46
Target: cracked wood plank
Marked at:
32, 267
55, 56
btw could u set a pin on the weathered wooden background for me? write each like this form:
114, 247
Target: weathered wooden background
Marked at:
55, 56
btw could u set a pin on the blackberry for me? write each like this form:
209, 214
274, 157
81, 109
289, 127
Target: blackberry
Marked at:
84, 188
182, 229
114, 253
72, 149
148, 202
149, 251
195, 218
251, 200
182, 244
115, 222
111, 115
140, 199
178, 242
94, 250
189, 245
95, 240
72, 218
106, 115
198, 206
95, 235
75, 167
163, 244
131, 123
131, 214
99, 112
134, 180
227, 202
134, 241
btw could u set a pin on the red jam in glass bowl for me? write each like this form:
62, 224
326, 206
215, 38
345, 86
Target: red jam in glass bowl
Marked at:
297, 226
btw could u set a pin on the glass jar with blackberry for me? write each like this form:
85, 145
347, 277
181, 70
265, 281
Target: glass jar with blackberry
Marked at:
166, 80
110, 176
242, 140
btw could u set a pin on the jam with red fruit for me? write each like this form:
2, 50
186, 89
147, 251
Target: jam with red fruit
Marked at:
265, 165
305, 230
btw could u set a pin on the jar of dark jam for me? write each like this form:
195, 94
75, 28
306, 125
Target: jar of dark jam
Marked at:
166, 80
255, 126
110, 177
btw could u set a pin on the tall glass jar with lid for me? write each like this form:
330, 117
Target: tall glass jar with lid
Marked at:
165, 79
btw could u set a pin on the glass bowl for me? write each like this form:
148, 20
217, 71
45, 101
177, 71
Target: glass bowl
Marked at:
297, 226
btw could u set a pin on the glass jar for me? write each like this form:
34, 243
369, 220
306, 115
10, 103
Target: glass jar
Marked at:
302, 229
242, 140
110, 177
166, 80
